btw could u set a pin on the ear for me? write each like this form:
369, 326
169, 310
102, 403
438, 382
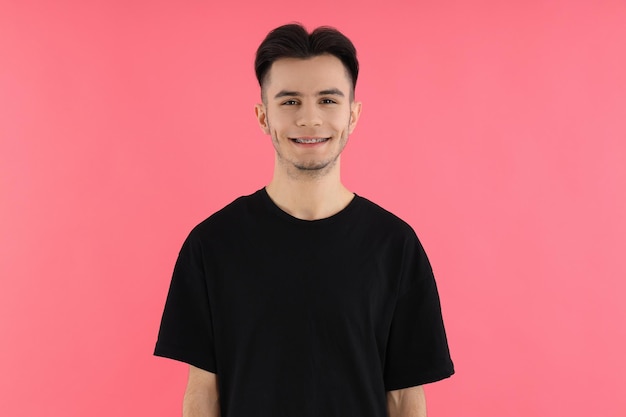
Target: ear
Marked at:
261, 116
355, 113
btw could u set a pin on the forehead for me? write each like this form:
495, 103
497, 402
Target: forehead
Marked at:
321, 71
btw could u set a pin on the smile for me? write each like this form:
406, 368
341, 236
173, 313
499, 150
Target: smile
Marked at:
309, 140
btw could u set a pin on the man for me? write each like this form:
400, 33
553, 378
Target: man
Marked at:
304, 299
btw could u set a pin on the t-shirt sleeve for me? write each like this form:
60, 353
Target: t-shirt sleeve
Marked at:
186, 332
417, 348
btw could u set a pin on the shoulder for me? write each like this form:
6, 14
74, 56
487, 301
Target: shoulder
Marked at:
397, 243
234, 215
384, 220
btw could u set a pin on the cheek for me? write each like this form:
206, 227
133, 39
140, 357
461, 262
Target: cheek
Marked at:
275, 119
339, 121
273, 132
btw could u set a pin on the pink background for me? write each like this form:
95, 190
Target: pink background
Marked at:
497, 129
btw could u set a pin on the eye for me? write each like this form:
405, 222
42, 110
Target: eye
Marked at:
328, 101
290, 103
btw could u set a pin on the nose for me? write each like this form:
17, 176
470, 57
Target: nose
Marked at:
308, 115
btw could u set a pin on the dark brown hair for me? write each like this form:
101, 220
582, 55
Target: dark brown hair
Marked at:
293, 41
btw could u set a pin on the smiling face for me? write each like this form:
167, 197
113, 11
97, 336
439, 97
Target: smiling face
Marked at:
308, 112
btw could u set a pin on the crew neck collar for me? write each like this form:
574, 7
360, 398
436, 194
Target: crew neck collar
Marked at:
350, 207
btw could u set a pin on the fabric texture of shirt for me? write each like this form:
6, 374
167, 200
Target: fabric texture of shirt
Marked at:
305, 318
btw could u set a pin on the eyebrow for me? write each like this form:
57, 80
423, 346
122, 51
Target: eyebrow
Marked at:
329, 92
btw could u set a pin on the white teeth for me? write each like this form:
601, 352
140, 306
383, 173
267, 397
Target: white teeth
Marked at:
316, 140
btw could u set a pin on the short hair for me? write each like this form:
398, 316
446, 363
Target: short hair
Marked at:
293, 41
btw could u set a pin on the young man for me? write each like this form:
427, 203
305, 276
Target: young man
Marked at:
304, 299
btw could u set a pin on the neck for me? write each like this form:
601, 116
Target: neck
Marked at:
309, 197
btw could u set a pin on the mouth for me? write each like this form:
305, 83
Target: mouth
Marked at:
309, 141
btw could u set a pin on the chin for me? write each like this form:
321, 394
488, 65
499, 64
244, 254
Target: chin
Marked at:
316, 166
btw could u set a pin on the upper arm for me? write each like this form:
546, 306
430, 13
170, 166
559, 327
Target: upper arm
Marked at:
417, 347
407, 402
201, 395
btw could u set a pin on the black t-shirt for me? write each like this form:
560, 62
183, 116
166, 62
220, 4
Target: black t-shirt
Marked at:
305, 318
